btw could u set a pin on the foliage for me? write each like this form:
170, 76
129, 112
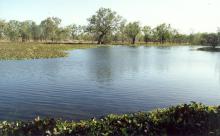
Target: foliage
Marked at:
13, 29
25, 30
103, 23
50, 27
105, 26
132, 30
187, 119
162, 32
2, 28
211, 39
147, 33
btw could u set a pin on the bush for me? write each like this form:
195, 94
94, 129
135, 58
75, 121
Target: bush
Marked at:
186, 119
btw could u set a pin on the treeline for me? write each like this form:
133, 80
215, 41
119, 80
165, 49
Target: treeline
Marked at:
105, 26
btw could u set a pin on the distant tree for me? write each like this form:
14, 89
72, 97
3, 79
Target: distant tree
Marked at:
26, 30
211, 39
218, 33
36, 32
162, 32
13, 30
3, 25
195, 38
176, 37
179, 38
147, 33
132, 30
62, 34
121, 33
81, 32
73, 31
50, 26
103, 23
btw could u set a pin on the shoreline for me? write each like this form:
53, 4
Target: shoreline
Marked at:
209, 49
33, 50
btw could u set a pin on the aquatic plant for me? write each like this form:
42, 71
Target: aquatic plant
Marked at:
187, 119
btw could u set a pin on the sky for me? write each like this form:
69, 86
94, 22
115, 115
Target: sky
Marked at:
187, 16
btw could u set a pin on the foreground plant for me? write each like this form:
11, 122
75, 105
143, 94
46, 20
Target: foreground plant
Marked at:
187, 119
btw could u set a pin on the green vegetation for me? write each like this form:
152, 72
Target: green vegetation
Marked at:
132, 30
188, 119
36, 50
105, 26
211, 40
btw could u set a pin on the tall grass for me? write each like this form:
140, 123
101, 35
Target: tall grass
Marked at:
17, 51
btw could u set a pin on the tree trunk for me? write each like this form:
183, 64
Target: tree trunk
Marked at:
133, 40
100, 39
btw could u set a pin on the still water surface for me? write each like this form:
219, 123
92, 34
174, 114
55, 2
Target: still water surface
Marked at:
96, 82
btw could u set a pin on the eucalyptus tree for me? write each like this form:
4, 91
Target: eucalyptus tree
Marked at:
36, 32
197, 38
121, 30
13, 30
132, 30
147, 31
162, 32
26, 30
211, 39
50, 26
3, 25
62, 34
72, 31
218, 33
82, 32
103, 23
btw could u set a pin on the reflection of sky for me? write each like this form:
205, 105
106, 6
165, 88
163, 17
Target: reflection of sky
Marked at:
94, 82
180, 61
159, 70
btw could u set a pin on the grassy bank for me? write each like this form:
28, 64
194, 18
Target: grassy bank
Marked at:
182, 120
17, 51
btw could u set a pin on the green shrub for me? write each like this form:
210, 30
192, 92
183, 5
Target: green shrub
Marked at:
183, 120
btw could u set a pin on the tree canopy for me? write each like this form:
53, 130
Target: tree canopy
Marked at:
104, 26
104, 22
132, 30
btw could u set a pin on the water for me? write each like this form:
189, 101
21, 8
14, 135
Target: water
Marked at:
95, 82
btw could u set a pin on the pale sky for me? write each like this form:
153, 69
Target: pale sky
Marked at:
185, 15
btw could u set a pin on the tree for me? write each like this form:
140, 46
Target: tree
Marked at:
81, 32
102, 23
73, 31
2, 28
218, 33
147, 33
62, 34
162, 32
121, 32
132, 30
25, 30
211, 39
36, 32
50, 27
13, 30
